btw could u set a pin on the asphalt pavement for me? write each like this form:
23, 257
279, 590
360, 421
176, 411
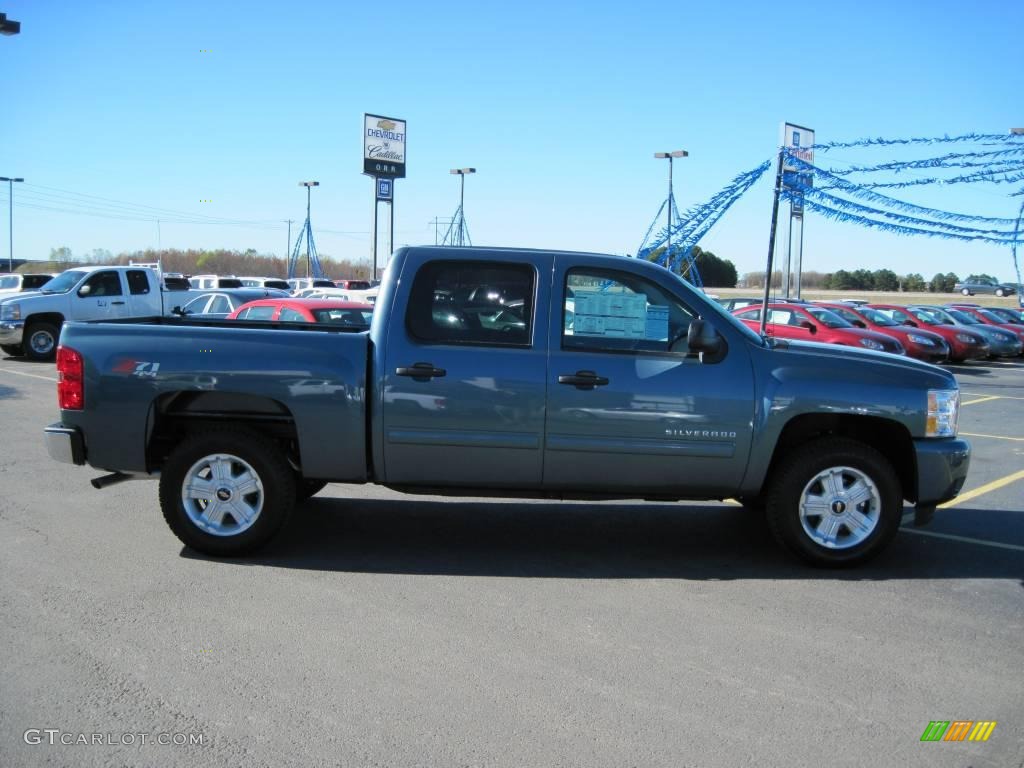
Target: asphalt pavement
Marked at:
383, 630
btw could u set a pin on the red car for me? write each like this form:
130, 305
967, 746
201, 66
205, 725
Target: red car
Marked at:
920, 344
330, 311
963, 344
354, 285
809, 322
989, 317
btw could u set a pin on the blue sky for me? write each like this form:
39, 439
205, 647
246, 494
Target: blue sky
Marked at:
559, 106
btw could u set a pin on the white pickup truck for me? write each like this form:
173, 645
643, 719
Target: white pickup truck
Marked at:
30, 323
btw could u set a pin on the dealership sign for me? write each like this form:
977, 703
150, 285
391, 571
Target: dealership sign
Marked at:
383, 146
798, 142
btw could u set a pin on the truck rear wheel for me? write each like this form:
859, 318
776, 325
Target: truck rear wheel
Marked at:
835, 502
226, 492
41, 341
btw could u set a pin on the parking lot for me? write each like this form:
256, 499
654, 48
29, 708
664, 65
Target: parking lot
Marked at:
390, 630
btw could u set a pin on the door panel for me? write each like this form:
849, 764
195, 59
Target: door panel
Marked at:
665, 422
463, 399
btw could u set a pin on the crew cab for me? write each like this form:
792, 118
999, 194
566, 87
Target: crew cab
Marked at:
30, 324
650, 391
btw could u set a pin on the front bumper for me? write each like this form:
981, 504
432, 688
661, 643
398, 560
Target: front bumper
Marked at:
941, 468
64, 444
12, 332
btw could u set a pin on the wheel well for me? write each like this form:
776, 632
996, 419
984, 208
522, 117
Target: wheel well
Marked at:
889, 438
175, 415
55, 318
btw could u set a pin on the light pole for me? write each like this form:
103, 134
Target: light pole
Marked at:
670, 156
461, 173
309, 232
10, 215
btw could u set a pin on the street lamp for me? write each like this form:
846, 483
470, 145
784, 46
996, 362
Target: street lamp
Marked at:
461, 173
670, 156
10, 215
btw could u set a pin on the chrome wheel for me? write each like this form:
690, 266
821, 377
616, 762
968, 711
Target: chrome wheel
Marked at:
222, 494
41, 342
840, 507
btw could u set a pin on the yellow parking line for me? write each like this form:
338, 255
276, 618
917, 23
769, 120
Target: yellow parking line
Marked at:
986, 488
981, 400
978, 394
994, 437
967, 539
30, 375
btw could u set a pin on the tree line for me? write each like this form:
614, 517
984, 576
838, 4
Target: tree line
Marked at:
197, 261
861, 280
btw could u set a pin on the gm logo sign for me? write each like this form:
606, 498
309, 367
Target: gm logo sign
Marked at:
958, 730
385, 189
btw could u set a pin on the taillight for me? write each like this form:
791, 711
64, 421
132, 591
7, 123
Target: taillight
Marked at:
70, 379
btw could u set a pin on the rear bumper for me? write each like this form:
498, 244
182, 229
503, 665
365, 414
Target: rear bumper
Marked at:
64, 444
12, 332
941, 469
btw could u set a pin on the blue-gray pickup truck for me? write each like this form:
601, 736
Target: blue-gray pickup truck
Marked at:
516, 373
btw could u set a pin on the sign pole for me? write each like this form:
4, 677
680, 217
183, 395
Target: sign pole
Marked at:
771, 244
376, 204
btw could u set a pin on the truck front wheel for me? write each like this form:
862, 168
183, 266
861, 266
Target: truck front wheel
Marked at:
41, 341
226, 492
835, 502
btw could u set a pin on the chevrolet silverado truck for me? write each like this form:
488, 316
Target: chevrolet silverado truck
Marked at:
30, 324
513, 373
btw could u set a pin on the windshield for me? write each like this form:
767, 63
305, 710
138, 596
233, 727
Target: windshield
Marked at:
8, 282
65, 281
878, 318
932, 316
964, 318
991, 316
898, 316
828, 318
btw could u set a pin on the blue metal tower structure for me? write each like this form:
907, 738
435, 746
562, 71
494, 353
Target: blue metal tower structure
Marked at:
313, 266
458, 231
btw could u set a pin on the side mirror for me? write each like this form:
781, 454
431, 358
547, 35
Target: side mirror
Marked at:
808, 325
860, 323
85, 290
912, 323
702, 337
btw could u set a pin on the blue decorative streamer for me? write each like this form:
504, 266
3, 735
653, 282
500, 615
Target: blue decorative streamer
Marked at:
855, 209
900, 229
988, 138
954, 160
984, 176
856, 190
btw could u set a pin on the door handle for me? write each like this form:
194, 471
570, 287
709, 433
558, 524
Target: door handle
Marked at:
583, 380
421, 371
117, 303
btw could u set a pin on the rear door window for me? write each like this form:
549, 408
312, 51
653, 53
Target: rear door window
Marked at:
465, 302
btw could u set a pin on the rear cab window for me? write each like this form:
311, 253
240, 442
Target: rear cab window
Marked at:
475, 303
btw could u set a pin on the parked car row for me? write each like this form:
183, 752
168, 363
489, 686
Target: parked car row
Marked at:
931, 333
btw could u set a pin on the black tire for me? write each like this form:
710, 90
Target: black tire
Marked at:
305, 489
14, 350
237, 448
842, 460
40, 342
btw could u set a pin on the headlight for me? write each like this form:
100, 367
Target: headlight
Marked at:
924, 341
871, 344
943, 409
1005, 337
966, 339
10, 312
